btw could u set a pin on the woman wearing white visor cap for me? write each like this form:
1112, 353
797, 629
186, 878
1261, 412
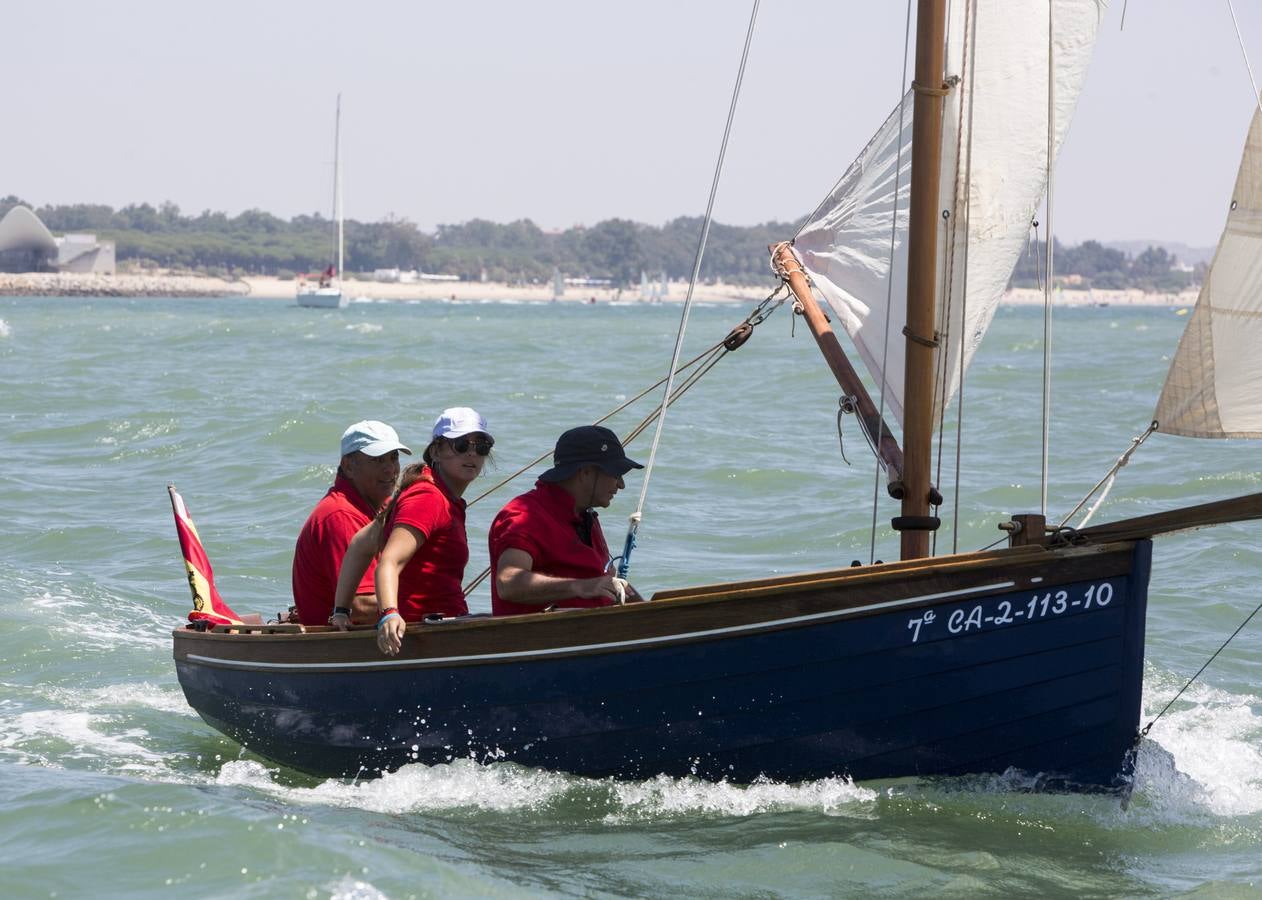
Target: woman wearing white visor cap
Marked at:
422, 540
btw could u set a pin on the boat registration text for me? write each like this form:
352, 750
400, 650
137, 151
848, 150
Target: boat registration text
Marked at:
964, 619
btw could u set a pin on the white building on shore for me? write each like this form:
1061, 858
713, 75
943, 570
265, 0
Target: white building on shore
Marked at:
26, 245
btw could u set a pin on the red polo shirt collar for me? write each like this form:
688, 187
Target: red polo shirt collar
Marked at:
343, 485
558, 502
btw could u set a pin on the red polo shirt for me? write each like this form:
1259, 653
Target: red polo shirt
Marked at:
430, 582
321, 546
543, 523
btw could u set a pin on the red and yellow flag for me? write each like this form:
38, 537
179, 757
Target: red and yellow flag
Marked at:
208, 606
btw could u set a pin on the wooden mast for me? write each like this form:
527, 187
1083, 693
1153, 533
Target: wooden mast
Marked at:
886, 446
915, 522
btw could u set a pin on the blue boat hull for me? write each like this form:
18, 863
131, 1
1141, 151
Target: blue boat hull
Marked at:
1044, 677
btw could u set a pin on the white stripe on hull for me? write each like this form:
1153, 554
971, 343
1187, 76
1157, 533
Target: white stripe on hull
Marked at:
609, 645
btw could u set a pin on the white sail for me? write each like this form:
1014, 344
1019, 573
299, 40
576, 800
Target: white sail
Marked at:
994, 175
1214, 386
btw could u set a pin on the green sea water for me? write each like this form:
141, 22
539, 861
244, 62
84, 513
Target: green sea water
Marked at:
110, 786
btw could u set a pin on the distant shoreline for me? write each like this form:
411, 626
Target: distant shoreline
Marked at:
167, 285
67, 284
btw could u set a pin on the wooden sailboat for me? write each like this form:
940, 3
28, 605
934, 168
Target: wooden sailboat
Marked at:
1028, 657
326, 292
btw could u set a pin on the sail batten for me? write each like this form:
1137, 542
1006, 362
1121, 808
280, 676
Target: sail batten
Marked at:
994, 157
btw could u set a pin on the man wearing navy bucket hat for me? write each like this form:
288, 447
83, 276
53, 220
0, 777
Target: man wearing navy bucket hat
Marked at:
547, 548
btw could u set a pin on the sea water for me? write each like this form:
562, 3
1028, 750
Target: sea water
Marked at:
110, 785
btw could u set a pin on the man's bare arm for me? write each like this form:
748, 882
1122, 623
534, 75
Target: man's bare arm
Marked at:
517, 583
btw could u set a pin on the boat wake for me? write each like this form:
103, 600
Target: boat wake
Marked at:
1202, 765
664, 797
505, 787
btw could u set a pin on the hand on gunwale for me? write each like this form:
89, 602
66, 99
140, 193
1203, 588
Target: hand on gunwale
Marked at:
340, 621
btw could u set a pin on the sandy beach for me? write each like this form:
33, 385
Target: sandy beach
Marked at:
1032, 297
183, 285
357, 289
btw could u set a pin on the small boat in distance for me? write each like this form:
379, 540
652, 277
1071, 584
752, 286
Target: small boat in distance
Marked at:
326, 292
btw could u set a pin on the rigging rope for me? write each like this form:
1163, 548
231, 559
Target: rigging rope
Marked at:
634, 520
1109, 477
952, 223
1243, 52
944, 333
889, 287
1144, 731
970, 35
951, 226
708, 359
1047, 285
538, 459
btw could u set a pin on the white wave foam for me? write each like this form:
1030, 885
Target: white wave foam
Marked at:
353, 889
28, 735
365, 327
665, 796
144, 694
116, 622
1202, 759
5, 330
49, 600
462, 784
465, 784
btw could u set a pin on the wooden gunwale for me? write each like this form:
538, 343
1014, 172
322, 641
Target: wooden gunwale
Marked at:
674, 617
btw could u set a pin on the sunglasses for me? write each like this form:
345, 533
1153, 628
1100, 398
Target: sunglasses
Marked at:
481, 445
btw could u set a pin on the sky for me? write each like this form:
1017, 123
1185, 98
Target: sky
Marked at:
569, 112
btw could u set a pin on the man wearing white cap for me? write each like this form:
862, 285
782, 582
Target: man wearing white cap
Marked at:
365, 480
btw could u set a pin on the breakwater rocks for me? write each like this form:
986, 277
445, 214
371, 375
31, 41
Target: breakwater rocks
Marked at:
65, 284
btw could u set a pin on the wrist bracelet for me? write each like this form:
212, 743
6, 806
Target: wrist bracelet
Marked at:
387, 610
389, 615
341, 611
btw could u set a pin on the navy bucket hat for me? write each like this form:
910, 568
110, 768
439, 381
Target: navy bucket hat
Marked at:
588, 445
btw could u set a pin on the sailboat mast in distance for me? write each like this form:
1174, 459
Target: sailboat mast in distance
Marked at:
915, 523
337, 185
327, 293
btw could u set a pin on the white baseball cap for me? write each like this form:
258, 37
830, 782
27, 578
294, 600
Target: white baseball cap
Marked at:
371, 438
459, 421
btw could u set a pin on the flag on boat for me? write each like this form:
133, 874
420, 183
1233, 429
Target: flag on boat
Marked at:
208, 606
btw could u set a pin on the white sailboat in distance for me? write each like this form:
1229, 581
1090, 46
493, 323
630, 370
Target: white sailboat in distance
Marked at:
326, 293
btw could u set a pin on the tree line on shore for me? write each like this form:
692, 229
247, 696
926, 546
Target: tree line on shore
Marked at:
1093, 265
258, 243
